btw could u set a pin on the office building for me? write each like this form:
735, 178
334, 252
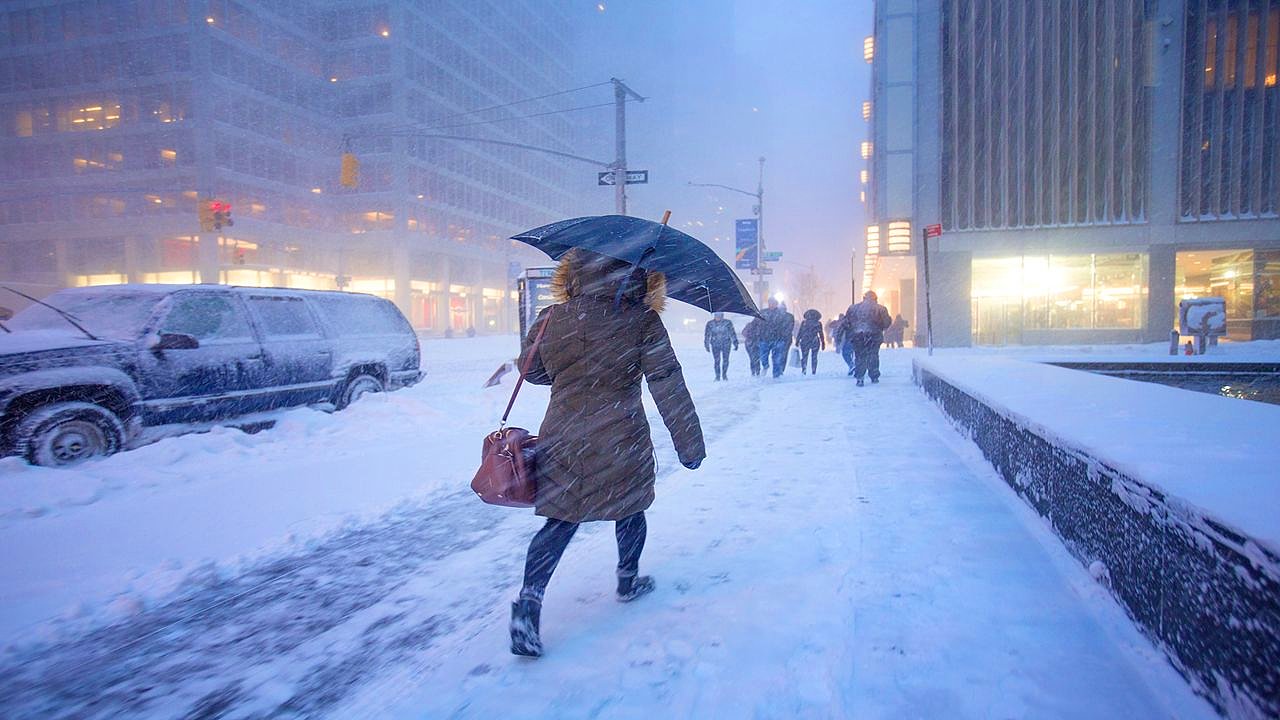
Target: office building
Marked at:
1090, 163
118, 118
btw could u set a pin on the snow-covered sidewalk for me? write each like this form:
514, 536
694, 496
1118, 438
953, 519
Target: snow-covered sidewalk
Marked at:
842, 553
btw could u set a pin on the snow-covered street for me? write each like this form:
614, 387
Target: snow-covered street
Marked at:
843, 552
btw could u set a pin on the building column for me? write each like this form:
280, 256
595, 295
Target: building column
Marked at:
1161, 283
208, 263
443, 310
132, 264
62, 258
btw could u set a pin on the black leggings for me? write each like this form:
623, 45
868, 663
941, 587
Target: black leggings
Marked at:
550, 542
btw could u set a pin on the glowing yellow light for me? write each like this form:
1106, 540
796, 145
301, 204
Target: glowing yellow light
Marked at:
316, 190
899, 236
209, 19
866, 109
385, 33
869, 48
866, 149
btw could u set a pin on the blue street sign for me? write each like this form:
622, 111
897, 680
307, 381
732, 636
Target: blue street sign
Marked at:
747, 244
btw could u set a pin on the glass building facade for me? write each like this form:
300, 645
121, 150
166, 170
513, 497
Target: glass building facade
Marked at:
117, 117
1090, 163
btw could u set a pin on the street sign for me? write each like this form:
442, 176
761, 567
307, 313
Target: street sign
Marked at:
771, 255
634, 177
746, 254
762, 271
933, 231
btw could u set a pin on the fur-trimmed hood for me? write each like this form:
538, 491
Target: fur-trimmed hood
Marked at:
582, 273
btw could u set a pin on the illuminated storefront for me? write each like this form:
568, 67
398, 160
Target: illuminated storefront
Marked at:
1029, 299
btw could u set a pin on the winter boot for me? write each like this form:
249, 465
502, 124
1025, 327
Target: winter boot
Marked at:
875, 380
526, 615
630, 588
860, 383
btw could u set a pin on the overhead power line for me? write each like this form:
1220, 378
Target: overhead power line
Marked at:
521, 102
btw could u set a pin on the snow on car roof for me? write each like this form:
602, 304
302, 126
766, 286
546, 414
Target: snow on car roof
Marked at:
161, 289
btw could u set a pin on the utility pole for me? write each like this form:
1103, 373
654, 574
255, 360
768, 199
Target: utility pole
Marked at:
620, 94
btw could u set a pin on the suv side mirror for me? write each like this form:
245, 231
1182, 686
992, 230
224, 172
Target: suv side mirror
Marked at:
176, 341
5, 314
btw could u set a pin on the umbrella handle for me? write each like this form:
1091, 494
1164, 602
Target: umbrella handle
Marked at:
666, 216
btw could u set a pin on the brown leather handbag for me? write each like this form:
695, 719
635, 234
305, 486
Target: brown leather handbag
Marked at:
508, 469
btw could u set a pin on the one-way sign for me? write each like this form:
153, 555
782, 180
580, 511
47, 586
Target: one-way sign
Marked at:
634, 177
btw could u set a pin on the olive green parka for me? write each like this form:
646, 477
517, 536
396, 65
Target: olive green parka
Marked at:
595, 455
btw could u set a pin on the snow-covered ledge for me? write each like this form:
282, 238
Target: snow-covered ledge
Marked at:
1170, 497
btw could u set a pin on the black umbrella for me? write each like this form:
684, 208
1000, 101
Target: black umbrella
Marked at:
695, 274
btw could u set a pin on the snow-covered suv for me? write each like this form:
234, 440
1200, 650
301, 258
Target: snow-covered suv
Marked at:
86, 370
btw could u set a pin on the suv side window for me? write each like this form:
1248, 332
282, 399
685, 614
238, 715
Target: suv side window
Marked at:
206, 318
283, 316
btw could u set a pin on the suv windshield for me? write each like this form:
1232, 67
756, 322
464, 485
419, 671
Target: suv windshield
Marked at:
121, 316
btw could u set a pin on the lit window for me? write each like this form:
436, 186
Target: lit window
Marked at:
873, 240
866, 149
899, 236
866, 109
169, 156
869, 48
863, 175
90, 117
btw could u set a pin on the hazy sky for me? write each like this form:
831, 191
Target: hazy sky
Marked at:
727, 82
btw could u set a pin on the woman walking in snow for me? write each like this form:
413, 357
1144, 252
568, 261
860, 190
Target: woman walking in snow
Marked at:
810, 339
595, 456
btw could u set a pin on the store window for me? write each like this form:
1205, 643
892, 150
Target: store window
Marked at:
1056, 292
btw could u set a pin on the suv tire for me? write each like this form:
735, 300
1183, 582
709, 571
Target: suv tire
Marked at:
68, 433
361, 384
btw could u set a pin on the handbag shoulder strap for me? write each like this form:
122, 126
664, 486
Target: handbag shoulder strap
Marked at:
524, 370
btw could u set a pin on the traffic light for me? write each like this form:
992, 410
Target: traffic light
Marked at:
350, 176
206, 216
221, 214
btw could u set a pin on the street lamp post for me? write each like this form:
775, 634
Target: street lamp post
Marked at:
761, 283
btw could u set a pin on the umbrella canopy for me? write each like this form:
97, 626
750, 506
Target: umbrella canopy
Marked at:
695, 274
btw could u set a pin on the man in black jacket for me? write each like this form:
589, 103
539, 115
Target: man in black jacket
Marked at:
775, 338
866, 322
717, 338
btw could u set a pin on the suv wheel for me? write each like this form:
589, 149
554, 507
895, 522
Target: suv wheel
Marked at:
362, 384
68, 433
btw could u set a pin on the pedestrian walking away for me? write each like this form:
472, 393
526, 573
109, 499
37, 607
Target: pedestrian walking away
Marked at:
866, 323
811, 340
843, 343
595, 455
751, 342
717, 338
775, 337
893, 337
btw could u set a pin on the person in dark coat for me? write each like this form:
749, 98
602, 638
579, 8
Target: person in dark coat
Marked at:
775, 339
897, 330
811, 339
594, 453
717, 337
867, 322
751, 341
843, 344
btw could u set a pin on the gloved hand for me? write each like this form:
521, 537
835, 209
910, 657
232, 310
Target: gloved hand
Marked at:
692, 464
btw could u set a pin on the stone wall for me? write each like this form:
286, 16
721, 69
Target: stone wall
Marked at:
1208, 596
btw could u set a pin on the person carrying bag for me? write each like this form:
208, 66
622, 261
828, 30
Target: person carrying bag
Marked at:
594, 453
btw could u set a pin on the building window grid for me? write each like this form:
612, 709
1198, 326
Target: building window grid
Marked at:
1016, 77
1231, 106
